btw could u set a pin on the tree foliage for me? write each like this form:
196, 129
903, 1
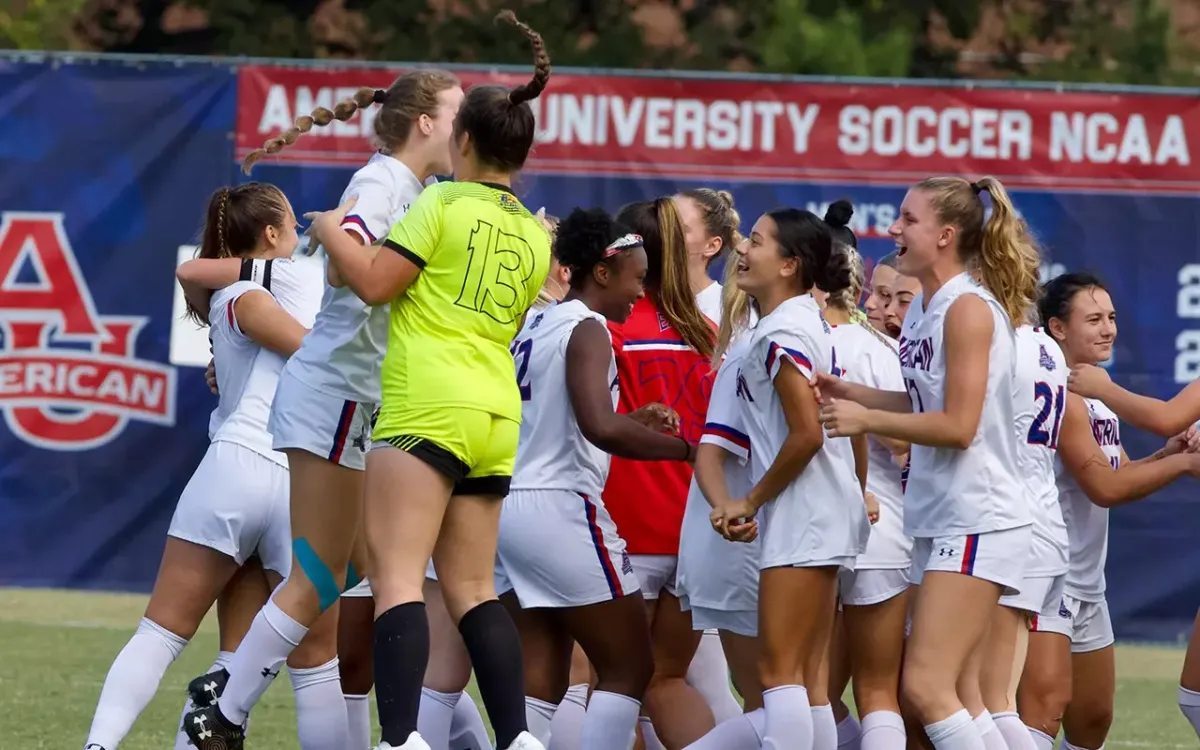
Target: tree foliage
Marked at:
1129, 41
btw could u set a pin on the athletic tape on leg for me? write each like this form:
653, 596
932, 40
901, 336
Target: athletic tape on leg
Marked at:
352, 577
318, 572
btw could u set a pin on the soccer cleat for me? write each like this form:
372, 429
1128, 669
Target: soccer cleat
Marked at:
526, 741
207, 729
206, 689
414, 742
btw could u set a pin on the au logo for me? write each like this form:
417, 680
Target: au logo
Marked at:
70, 378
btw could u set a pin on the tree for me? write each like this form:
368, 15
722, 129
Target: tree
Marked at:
38, 24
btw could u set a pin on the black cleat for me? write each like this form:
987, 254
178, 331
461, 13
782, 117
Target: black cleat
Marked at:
205, 690
207, 729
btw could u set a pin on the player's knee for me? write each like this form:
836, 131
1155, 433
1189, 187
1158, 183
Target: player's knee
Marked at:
462, 596
630, 677
1043, 698
312, 580
356, 669
927, 689
1089, 722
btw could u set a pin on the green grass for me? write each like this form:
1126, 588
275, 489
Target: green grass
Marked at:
56, 647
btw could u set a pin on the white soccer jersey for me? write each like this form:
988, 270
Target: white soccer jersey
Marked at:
819, 518
709, 302
868, 359
343, 354
951, 491
1041, 401
713, 572
246, 372
1087, 523
553, 454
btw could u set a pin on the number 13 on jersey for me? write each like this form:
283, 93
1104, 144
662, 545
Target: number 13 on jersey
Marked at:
499, 265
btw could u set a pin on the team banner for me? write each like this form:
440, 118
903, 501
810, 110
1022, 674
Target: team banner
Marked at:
107, 166
777, 131
106, 171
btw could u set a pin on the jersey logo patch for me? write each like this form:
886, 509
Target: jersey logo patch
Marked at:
662, 323
1045, 360
55, 393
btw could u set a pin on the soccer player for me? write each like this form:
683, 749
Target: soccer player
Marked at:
813, 518
963, 503
874, 595
322, 410
663, 351
235, 506
461, 269
1070, 671
560, 550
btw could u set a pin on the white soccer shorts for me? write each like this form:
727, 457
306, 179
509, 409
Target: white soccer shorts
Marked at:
237, 503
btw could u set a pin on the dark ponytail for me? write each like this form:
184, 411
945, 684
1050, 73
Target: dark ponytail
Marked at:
804, 236
498, 120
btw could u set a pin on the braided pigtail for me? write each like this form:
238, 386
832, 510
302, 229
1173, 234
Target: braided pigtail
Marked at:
321, 116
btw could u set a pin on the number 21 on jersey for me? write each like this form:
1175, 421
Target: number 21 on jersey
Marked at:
1041, 433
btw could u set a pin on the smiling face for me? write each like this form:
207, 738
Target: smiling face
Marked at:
1089, 330
623, 279
879, 295
760, 261
919, 233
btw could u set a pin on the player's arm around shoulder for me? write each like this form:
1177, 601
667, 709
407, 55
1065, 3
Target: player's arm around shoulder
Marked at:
1105, 485
261, 319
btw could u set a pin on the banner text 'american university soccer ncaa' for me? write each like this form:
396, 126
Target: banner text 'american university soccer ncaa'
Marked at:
765, 130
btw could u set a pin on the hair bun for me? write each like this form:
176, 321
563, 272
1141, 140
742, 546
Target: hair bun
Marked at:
838, 214
726, 197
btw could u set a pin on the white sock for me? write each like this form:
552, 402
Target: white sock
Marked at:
1016, 734
435, 717
467, 730
1068, 746
321, 722
849, 733
181, 739
789, 721
825, 733
1041, 740
649, 736
358, 721
566, 729
709, 675
538, 715
883, 730
132, 681
611, 722
955, 732
1189, 703
989, 732
742, 732
255, 665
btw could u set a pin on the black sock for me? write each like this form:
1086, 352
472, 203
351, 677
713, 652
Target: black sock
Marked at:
492, 641
401, 656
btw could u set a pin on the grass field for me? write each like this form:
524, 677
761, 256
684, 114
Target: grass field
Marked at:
56, 647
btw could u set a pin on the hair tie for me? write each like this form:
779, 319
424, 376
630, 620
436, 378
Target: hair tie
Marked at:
380, 95
975, 186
